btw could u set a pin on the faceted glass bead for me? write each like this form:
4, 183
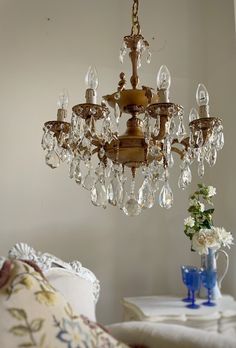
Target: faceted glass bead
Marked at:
166, 196
72, 168
149, 57
52, 159
78, 174
132, 207
146, 196
154, 151
201, 169
99, 194
102, 152
115, 191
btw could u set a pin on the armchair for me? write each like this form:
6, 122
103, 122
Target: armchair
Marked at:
80, 287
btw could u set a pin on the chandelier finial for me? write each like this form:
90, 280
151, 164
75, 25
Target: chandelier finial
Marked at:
135, 22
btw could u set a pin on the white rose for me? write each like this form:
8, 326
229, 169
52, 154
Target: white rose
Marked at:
199, 244
189, 221
205, 239
211, 191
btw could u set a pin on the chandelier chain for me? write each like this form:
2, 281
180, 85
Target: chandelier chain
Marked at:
135, 22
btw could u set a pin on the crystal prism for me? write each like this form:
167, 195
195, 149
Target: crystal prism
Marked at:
52, 159
166, 196
149, 57
146, 196
99, 194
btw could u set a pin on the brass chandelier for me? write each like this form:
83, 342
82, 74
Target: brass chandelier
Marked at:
107, 161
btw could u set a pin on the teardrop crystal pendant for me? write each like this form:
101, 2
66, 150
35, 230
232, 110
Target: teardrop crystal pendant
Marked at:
166, 196
89, 181
99, 194
185, 177
193, 115
48, 140
52, 159
220, 141
181, 132
146, 196
212, 156
115, 191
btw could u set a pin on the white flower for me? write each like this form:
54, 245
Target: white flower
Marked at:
204, 239
225, 238
199, 245
189, 221
202, 206
211, 191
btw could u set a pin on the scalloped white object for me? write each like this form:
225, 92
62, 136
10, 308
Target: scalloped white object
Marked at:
47, 261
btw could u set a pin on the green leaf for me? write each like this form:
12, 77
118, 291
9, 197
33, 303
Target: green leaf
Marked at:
20, 330
36, 325
209, 211
18, 314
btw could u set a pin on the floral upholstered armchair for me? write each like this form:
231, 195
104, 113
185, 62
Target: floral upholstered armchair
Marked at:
48, 303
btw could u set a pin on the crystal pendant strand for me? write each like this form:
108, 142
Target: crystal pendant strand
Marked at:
132, 207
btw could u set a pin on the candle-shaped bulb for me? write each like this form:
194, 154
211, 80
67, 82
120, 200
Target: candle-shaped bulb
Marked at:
163, 78
193, 115
202, 96
63, 100
91, 78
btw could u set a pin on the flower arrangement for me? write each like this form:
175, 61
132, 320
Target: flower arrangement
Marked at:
199, 225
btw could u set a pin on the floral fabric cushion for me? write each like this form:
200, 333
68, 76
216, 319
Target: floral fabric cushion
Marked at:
34, 314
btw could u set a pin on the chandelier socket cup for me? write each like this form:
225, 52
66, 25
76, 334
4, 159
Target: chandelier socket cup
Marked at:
61, 115
91, 96
87, 110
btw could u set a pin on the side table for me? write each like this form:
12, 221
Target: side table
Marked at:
166, 309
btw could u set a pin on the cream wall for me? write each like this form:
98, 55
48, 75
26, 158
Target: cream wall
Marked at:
47, 45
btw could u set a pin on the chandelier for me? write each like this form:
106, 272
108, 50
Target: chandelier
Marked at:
108, 160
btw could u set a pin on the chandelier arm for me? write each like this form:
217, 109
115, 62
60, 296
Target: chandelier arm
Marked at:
180, 152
